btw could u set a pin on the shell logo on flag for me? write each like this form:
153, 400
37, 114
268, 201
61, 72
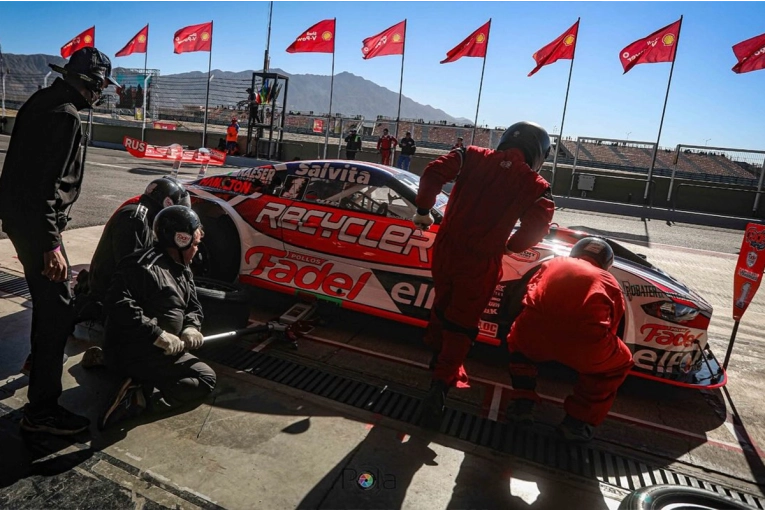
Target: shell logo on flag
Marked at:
205, 36
141, 38
480, 39
365, 50
569, 40
88, 39
396, 38
327, 36
668, 39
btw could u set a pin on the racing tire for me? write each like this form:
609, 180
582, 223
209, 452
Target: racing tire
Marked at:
226, 307
220, 249
659, 497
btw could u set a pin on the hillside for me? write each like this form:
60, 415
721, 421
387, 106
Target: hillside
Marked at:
353, 95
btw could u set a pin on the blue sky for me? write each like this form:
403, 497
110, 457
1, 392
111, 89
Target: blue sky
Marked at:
707, 100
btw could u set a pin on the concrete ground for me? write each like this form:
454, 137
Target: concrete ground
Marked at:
259, 444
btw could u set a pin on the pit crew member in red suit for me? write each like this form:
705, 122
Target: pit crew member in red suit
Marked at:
385, 146
493, 190
572, 309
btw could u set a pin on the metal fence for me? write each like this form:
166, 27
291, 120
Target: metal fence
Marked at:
180, 100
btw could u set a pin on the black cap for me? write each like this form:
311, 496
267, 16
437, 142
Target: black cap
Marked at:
88, 64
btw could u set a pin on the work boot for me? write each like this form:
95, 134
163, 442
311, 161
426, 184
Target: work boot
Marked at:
576, 431
521, 412
125, 403
433, 405
93, 357
57, 421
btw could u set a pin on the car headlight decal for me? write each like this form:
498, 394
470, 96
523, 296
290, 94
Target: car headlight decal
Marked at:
671, 311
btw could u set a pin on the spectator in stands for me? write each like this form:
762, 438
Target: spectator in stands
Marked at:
386, 144
352, 144
232, 136
459, 144
408, 147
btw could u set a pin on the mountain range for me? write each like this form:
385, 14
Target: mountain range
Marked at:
353, 95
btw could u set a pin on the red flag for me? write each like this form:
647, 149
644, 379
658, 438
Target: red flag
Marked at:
137, 44
87, 39
194, 38
660, 46
387, 42
561, 48
474, 46
320, 38
750, 55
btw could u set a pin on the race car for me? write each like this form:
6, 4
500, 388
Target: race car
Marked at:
341, 231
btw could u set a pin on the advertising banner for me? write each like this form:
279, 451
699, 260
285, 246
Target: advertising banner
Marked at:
749, 268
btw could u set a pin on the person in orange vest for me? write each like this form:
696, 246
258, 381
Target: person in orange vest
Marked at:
232, 134
385, 146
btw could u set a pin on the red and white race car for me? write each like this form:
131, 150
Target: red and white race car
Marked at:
342, 231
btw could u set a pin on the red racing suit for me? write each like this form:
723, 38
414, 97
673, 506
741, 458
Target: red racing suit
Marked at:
493, 190
571, 314
386, 144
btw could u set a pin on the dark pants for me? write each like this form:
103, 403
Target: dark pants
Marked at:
180, 379
350, 154
52, 322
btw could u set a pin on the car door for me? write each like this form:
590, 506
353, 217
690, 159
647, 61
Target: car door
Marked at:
356, 242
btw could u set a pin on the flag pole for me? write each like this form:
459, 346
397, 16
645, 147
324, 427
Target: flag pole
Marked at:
207, 95
661, 123
145, 83
400, 89
331, 90
565, 104
480, 87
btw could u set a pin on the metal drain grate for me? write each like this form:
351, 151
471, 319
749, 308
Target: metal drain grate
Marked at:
609, 468
13, 284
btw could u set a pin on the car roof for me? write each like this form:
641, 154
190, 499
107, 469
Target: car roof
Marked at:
336, 169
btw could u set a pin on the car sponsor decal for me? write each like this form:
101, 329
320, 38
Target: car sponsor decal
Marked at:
356, 236
334, 172
658, 361
529, 256
227, 183
646, 290
264, 174
412, 295
317, 275
667, 336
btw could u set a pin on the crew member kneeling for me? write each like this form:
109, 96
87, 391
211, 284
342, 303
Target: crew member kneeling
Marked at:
153, 316
572, 310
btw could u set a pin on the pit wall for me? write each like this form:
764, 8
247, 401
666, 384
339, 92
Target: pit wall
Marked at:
716, 199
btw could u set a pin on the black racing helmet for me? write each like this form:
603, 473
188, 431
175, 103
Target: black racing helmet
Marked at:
167, 191
531, 139
91, 66
174, 227
596, 250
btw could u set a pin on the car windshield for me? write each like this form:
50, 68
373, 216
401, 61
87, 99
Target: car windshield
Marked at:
412, 182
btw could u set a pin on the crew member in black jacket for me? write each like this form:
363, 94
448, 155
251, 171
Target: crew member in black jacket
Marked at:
127, 231
152, 316
40, 182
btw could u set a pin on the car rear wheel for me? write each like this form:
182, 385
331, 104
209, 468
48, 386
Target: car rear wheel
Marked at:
220, 249
226, 306
672, 497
